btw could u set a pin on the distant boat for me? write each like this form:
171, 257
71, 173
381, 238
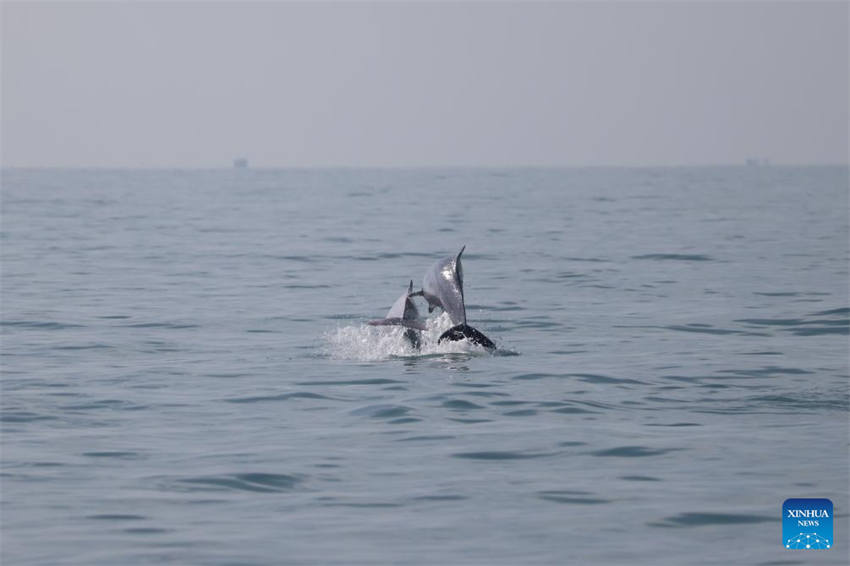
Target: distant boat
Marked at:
240, 163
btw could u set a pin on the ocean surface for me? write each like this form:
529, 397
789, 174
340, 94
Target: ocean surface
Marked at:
187, 376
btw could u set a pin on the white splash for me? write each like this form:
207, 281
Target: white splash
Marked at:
370, 343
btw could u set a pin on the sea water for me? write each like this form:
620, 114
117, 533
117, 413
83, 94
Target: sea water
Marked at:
188, 376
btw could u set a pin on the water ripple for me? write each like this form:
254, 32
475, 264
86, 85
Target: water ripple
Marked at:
674, 257
633, 452
703, 519
259, 482
501, 455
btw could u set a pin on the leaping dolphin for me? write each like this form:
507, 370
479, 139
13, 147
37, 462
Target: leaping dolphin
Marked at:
442, 287
404, 313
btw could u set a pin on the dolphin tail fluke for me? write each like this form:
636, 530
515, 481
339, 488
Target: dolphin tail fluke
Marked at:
464, 331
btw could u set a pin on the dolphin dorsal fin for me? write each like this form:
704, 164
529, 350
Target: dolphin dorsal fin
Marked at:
459, 273
410, 289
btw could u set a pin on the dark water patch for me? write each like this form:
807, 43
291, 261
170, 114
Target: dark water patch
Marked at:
298, 258
95, 346
460, 405
117, 517
569, 443
843, 310
115, 316
700, 329
587, 259
261, 331
805, 327
228, 375
705, 519
377, 381
508, 403
674, 257
111, 404
674, 424
597, 378
779, 294
162, 325
38, 325
508, 308
571, 275
306, 286
469, 421
382, 411
771, 321
570, 498
633, 452
765, 353
362, 505
439, 498
405, 420
803, 402
146, 530
426, 438
121, 455
538, 375
843, 329
520, 413
256, 482
767, 371
500, 455
597, 404
639, 478
23, 417
471, 385
281, 397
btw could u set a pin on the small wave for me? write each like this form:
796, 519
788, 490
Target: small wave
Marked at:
703, 519
382, 411
259, 482
633, 452
168, 325
674, 257
117, 517
122, 455
39, 325
571, 497
460, 405
280, 397
500, 455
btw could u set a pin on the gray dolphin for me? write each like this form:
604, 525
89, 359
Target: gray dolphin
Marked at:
442, 287
404, 313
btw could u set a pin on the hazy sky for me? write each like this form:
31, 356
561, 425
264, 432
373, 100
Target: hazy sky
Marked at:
302, 84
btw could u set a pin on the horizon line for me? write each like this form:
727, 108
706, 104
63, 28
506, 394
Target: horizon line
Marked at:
755, 165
